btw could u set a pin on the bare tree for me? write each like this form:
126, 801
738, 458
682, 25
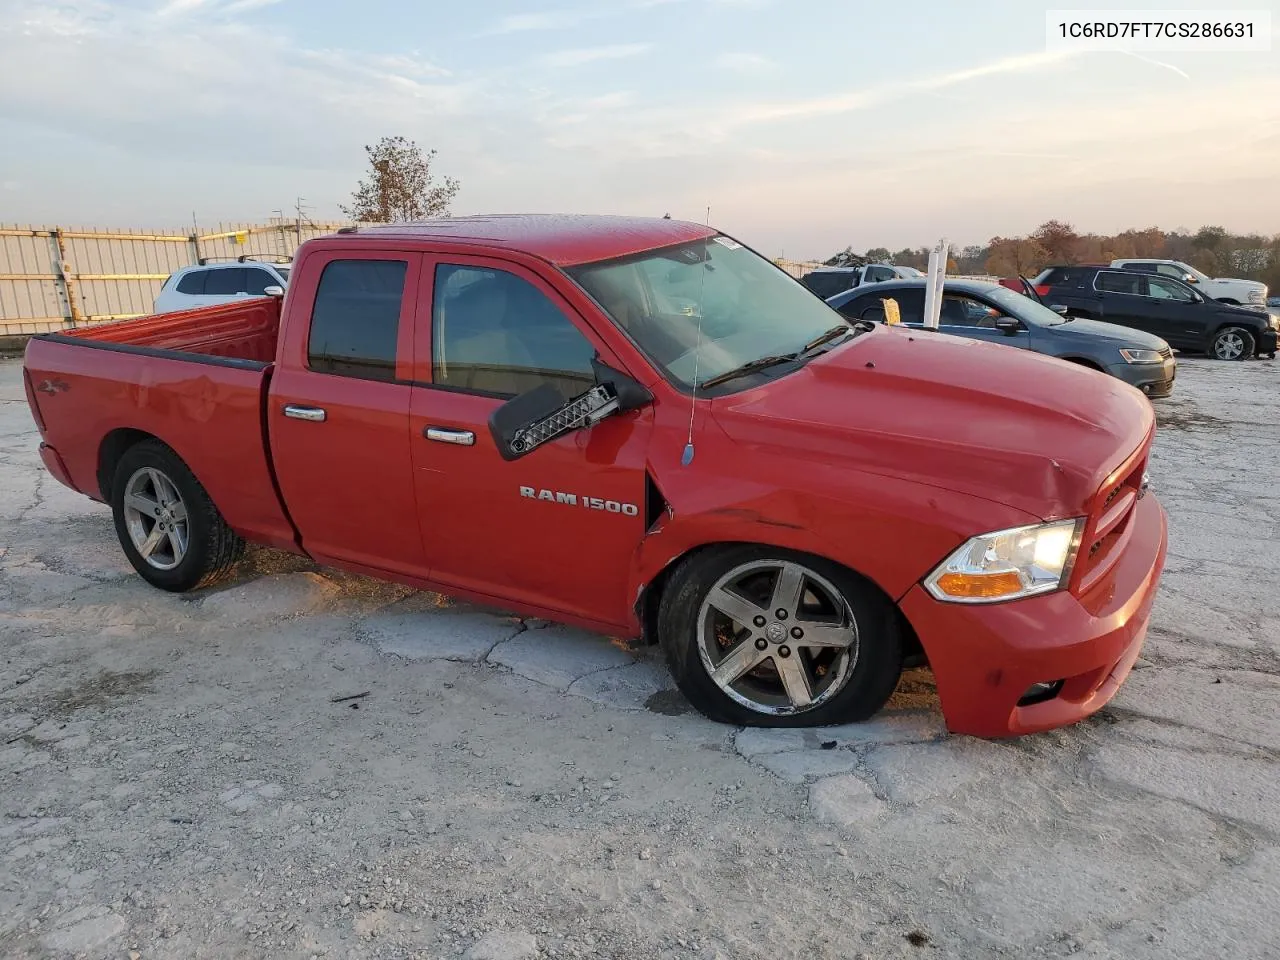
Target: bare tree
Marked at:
401, 185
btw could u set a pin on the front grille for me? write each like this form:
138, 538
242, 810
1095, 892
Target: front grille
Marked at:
1108, 524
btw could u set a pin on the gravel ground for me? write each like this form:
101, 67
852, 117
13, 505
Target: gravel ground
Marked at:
309, 764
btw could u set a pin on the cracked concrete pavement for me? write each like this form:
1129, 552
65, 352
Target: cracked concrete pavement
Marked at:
308, 764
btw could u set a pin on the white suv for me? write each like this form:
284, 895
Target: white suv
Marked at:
212, 283
1248, 293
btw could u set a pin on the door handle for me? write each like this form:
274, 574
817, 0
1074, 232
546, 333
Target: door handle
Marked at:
463, 438
314, 414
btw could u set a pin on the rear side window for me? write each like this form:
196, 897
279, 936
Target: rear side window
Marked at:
355, 323
225, 282
193, 283
1119, 282
494, 332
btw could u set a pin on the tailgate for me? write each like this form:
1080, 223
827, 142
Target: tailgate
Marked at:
94, 398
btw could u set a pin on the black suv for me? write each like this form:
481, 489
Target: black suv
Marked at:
1160, 305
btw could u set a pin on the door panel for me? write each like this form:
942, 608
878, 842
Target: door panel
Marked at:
556, 528
340, 435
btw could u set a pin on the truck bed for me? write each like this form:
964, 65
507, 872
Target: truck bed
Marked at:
196, 380
244, 330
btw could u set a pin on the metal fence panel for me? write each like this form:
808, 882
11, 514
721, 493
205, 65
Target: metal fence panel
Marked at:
53, 277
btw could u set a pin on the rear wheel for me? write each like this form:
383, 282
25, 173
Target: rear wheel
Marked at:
1232, 343
170, 530
765, 637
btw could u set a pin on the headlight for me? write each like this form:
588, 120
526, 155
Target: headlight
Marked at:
1141, 356
1008, 564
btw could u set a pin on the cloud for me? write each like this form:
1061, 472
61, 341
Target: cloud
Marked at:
745, 62
883, 93
585, 55
175, 8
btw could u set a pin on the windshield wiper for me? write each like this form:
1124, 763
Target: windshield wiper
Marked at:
822, 338
748, 367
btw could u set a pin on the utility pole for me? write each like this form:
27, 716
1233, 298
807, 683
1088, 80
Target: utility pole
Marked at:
298, 208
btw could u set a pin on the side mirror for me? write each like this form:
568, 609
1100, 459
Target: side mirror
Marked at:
526, 422
1190, 279
1008, 325
1060, 309
274, 290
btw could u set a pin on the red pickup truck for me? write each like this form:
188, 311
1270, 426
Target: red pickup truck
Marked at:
647, 429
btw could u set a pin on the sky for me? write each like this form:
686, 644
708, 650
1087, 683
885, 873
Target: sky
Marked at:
805, 126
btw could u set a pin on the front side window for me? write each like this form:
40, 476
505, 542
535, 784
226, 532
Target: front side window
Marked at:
1163, 289
823, 283
496, 333
877, 274
743, 307
355, 323
965, 312
257, 281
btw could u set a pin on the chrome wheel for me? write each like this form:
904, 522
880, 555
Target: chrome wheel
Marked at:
777, 637
1229, 346
156, 518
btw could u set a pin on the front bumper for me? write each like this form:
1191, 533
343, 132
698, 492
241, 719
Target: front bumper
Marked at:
985, 657
1153, 379
1266, 342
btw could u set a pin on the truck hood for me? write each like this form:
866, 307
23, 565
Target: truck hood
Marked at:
1010, 426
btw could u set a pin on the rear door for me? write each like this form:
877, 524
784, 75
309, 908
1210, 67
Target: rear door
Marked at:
1123, 298
558, 527
338, 410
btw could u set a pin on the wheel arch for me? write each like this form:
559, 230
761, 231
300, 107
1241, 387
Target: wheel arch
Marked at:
112, 448
1084, 362
649, 596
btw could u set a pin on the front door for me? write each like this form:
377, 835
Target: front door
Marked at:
1177, 316
558, 527
338, 410
969, 317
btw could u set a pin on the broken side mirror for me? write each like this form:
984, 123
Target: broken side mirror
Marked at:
526, 422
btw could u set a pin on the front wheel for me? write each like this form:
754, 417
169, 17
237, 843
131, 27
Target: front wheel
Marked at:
170, 530
1232, 343
764, 637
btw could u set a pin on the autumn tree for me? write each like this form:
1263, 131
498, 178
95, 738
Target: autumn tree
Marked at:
400, 185
1059, 240
1015, 256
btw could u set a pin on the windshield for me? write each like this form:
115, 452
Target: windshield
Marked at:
1022, 307
750, 309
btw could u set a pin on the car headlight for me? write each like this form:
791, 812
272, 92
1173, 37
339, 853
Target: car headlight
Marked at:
1141, 356
1008, 564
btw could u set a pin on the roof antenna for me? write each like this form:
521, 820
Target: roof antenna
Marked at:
686, 458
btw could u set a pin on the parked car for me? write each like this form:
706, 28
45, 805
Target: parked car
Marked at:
210, 283
827, 281
1223, 289
994, 313
500, 409
1162, 306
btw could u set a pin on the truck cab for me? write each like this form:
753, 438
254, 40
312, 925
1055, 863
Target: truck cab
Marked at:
520, 411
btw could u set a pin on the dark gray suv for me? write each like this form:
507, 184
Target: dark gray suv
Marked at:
988, 311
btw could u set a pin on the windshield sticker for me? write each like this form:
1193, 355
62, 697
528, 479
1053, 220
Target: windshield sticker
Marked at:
727, 243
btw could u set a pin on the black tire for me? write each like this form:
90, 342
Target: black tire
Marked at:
212, 547
1224, 341
871, 678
